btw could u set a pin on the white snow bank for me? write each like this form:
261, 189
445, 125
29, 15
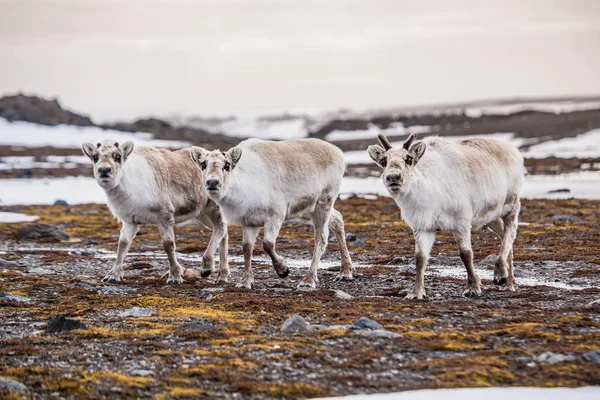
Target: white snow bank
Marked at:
12, 217
550, 107
263, 128
27, 162
27, 134
581, 146
396, 128
46, 191
496, 393
362, 157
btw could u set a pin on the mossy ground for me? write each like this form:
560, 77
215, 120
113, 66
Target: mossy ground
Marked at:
447, 341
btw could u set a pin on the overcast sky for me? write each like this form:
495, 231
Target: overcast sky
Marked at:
120, 59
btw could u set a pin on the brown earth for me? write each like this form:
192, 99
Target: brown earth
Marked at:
446, 341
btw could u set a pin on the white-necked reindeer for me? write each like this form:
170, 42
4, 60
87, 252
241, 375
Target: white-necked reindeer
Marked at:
455, 185
263, 183
146, 185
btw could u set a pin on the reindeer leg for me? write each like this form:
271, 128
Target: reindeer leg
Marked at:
424, 243
249, 234
336, 224
128, 232
463, 239
272, 228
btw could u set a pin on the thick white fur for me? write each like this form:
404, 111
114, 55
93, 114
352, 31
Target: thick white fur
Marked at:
276, 181
456, 186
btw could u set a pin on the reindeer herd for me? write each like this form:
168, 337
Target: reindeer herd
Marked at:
437, 183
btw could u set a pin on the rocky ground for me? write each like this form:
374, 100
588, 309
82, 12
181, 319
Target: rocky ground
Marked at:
145, 339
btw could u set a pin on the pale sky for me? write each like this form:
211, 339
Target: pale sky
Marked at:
123, 58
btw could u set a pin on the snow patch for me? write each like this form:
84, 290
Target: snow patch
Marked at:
13, 218
395, 129
28, 134
586, 145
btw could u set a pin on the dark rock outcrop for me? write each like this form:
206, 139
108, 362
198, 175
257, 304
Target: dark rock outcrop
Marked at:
35, 109
38, 231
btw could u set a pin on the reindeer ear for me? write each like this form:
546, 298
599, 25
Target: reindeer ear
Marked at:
127, 148
409, 141
377, 154
198, 154
88, 149
416, 152
234, 155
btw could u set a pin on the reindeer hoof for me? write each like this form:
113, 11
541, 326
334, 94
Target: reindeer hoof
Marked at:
205, 273
306, 286
175, 280
499, 281
343, 278
470, 293
284, 273
111, 279
413, 295
245, 285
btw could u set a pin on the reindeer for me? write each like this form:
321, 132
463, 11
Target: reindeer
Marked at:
146, 185
263, 183
445, 185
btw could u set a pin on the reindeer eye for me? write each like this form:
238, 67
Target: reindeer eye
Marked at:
203, 165
384, 162
95, 158
408, 160
227, 166
118, 158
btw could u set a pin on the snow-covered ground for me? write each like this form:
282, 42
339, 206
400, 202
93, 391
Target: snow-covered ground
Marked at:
581, 146
78, 190
27, 134
11, 217
497, 393
550, 107
396, 128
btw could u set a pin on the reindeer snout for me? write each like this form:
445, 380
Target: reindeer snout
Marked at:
212, 183
392, 178
104, 172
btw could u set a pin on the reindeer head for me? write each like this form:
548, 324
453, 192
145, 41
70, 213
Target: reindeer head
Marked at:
216, 166
108, 159
398, 163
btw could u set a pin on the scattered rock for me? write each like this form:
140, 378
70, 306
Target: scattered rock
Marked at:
196, 326
8, 264
379, 333
60, 323
116, 290
213, 289
340, 294
81, 285
399, 260
14, 297
40, 271
334, 268
593, 356
37, 231
399, 357
550, 357
357, 243
61, 202
13, 386
563, 190
92, 243
137, 312
595, 305
366, 323
141, 372
295, 323
578, 282
191, 274
565, 217
350, 237
209, 297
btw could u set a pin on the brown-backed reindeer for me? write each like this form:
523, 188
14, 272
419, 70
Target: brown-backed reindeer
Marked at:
145, 185
455, 185
263, 183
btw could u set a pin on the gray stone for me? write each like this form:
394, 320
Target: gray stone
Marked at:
40, 271
13, 386
137, 312
8, 264
60, 323
61, 202
357, 243
593, 356
379, 333
340, 294
141, 372
37, 231
334, 268
213, 289
565, 217
350, 237
550, 357
196, 326
209, 297
595, 305
14, 297
116, 290
366, 323
295, 323
81, 285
